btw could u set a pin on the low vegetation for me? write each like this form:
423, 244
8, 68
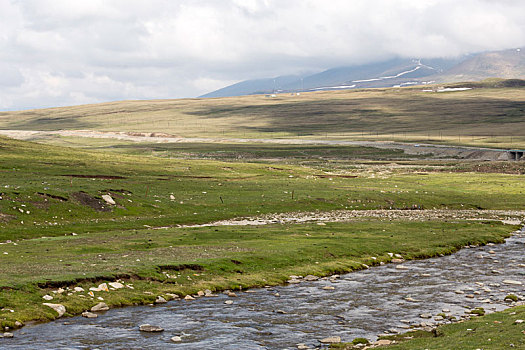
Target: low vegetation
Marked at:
491, 332
490, 114
58, 231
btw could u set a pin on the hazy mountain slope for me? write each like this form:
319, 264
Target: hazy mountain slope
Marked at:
256, 86
394, 72
508, 64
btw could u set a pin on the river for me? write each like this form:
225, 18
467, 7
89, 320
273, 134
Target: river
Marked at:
361, 304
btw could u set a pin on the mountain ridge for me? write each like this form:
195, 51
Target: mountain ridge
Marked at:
395, 72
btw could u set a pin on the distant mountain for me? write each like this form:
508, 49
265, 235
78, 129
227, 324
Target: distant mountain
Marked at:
507, 64
391, 73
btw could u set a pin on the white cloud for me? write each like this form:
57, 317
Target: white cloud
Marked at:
61, 52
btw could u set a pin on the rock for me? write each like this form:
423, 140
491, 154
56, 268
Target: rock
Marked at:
47, 297
383, 342
189, 297
232, 295
88, 314
516, 283
492, 252
18, 324
8, 335
445, 310
293, 281
311, 278
277, 294
78, 289
149, 328
393, 331
331, 340
103, 287
228, 302
160, 300
281, 311
425, 316
302, 346
107, 198
411, 299
401, 267
328, 288
200, 293
60, 290
116, 285
518, 322
59, 308
100, 307
172, 197
397, 260
176, 339
457, 291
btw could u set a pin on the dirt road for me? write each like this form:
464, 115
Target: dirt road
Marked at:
439, 151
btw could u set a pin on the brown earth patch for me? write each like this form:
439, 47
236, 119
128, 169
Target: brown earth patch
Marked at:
342, 176
90, 201
47, 195
108, 177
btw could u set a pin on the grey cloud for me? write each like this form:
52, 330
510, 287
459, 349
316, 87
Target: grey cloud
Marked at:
83, 51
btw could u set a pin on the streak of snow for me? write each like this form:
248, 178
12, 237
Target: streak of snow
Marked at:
453, 89
388, 77
334, 87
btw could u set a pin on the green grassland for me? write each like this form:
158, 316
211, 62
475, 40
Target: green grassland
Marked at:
490, 114
49, 191
491, 332
56, 231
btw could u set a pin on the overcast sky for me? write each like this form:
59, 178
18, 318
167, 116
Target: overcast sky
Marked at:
65, 52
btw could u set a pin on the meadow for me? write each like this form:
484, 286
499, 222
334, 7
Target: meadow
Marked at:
57, 231
489, 115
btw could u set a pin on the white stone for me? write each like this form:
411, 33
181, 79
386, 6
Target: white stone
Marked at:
116, 285
331, 340
160, 300
108, 199
59, 308
150, 328
100, 307
517, 283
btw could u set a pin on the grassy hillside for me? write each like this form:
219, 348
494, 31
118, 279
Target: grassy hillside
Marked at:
57, 231
49, 190
487, 115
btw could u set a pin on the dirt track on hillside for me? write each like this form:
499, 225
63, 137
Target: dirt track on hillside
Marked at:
439, 151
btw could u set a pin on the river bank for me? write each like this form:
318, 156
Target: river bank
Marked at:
382, 300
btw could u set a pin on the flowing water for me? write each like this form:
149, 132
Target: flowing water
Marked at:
362, 304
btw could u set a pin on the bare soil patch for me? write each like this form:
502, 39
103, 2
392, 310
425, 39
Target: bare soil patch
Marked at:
108, 177
92, 202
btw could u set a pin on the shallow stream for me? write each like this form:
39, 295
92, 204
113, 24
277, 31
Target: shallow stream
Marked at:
362, 304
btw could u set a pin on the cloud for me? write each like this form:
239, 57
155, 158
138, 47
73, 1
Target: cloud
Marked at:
60, 52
